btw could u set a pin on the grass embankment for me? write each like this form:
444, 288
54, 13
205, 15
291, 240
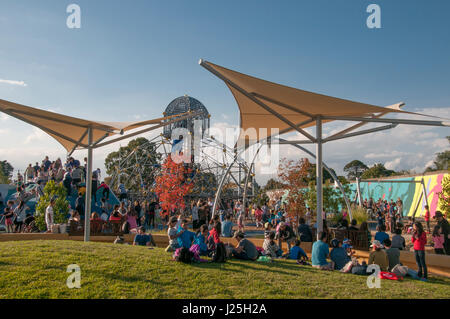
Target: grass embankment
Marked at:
37, 269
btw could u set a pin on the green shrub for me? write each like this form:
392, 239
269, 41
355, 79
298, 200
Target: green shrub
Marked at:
360, 214
61, 208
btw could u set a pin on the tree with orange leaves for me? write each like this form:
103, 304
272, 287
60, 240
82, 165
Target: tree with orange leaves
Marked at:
172, 185
295, 175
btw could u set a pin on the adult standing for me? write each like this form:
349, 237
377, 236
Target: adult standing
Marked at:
419, 239
445, 229
49, 213
20, 215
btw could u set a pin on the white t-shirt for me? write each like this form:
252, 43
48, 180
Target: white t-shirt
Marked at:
49, 215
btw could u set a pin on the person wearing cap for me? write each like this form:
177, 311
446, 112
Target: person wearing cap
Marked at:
339, 254
445, 229
378, 256
245, 249
320, 252
173, 234
49, 215
142, 239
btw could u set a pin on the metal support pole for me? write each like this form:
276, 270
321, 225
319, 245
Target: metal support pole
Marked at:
358, 191
424, 190
417, 206
87, 212
319, 177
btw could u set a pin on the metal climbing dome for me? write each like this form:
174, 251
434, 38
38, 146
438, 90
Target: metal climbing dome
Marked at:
216, 165
185, 104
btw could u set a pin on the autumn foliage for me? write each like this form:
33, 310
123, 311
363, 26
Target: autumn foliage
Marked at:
294, 174
173, 184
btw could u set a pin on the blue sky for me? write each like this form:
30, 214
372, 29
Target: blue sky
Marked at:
130, 59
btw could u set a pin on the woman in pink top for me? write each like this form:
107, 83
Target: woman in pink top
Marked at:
438, 239
132, 219
419, 239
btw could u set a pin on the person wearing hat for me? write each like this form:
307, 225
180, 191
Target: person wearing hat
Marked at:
445, 229
378, 256
172, 234
245, 249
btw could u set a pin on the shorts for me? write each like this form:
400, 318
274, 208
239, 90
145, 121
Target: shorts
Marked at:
8, 221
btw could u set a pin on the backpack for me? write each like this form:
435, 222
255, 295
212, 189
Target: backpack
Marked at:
400, 271
220, 254
388, 275
183, 255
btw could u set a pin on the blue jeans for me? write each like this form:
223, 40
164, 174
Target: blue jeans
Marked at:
420, 260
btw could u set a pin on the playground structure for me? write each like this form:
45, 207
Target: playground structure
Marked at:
210, 165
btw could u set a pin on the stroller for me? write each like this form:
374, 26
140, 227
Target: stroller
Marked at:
29, 225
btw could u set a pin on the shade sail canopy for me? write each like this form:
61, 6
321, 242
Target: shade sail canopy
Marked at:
264, 104
71, 132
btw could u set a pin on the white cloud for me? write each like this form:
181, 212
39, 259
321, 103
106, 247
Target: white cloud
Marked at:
12, 82
36, 135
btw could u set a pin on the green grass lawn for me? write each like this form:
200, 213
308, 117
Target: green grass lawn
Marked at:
37, 269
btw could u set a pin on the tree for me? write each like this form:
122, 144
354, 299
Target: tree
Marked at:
273, 184
444, 196
377, 170
354, 168
294, 174
326, 175
172, 186
61, 208
137, 163
441, 162
6, 171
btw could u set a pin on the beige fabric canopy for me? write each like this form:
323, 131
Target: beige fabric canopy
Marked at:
71, 132
297, 106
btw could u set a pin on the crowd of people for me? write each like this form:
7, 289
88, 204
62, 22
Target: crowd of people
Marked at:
136, 216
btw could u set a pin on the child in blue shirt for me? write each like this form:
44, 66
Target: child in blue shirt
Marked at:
186, 238
200, 240
381, 234
297, 253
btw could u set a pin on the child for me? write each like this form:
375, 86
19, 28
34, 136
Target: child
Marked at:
297, 253
408, 227
8, 219
438, 239
398, 241
270, 247
267, 229
419, 239
347, 245
200, 240
241, 221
